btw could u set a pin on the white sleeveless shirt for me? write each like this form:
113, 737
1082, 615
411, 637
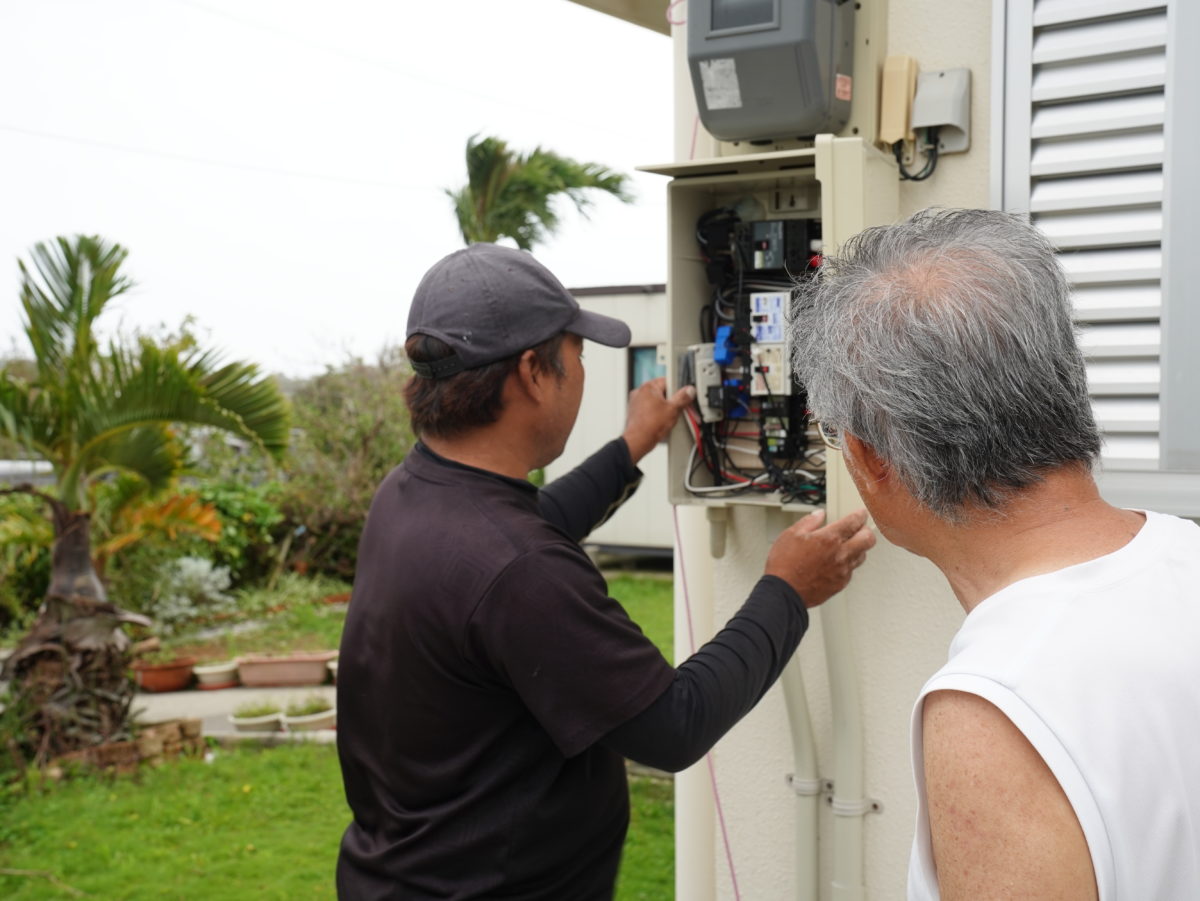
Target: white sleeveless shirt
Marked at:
1098, 665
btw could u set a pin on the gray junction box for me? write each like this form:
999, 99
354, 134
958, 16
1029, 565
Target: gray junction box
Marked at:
771, 69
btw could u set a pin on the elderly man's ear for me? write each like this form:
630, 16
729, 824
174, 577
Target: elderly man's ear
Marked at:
869, 471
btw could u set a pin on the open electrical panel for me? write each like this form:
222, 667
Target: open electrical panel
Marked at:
742, 232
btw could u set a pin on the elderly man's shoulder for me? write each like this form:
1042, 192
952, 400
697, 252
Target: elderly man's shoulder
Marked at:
998, 816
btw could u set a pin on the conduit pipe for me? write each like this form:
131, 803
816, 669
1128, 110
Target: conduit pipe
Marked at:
805, 782
695, 811
849, 805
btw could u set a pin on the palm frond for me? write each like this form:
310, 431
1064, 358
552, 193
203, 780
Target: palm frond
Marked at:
149, 452
511, 195
71, 283
151, 386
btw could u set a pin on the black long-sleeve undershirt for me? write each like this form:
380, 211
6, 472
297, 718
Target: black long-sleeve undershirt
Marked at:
582, 499
719, 684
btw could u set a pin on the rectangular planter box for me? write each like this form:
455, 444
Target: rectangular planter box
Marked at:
292, 669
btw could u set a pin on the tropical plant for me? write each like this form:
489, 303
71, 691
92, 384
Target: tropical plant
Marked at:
510, 194
93, 413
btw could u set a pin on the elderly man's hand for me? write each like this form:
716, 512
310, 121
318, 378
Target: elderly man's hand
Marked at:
652, 414
818, 560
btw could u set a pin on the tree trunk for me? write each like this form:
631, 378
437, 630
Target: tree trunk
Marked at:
72, 573
70, 686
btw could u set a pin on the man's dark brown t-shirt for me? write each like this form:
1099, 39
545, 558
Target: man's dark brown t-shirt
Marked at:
482, 659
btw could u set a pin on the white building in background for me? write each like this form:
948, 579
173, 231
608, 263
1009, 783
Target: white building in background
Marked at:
643, 524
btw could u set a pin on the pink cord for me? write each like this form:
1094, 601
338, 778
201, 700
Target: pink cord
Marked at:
712, 773
673, 21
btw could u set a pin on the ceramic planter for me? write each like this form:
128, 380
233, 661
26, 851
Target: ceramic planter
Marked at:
332, 666
268, 722
290, 669
174, 675
326, 719
216, 675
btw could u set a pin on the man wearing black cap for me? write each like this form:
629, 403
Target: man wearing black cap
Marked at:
488, 688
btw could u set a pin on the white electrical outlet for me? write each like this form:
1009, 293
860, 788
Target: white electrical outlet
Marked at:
769, 367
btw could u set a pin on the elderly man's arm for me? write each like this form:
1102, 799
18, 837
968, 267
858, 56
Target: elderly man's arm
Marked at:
1000, 823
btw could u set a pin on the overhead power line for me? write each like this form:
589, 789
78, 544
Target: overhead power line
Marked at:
206, 161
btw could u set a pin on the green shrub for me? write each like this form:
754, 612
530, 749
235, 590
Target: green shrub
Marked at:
250, 517
351, 429
25, 539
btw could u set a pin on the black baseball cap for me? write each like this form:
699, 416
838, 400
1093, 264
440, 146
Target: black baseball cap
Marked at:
489, 302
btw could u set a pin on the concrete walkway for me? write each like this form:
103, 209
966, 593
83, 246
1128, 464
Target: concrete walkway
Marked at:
214, 707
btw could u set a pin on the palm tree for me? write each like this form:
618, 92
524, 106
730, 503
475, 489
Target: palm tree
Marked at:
97, 413
509, 195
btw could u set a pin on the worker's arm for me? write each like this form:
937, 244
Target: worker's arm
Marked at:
582, 499
724, 679
1001, 825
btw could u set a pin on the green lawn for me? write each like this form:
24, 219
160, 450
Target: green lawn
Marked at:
258, 824
250, 824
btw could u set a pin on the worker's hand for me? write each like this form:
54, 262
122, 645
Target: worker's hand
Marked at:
818, 560
652, 414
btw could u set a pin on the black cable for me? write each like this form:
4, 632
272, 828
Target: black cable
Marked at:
931, 157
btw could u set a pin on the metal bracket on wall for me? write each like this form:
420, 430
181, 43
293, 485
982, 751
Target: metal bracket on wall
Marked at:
843, 807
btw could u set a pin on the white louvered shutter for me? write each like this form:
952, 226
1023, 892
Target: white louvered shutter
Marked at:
1086, 161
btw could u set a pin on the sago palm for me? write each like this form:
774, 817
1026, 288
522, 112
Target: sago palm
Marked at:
94, 413
511, 195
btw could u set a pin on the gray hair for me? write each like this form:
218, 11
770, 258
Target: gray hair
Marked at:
946, 343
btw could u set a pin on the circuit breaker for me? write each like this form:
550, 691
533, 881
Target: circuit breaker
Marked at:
744, 231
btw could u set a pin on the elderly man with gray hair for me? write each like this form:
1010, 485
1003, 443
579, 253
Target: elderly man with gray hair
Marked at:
1055, 754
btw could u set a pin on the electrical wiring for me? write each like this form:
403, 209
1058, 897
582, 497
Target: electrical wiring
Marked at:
931, 157
756, 439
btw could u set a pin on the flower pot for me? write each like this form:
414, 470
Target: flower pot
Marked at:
217, 675
292, 669
174, 675
326, 719
268, 722
332, 667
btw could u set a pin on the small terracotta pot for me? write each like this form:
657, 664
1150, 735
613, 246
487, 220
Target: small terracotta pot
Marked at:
174, 675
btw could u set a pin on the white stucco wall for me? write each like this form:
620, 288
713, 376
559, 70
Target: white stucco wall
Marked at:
902, 613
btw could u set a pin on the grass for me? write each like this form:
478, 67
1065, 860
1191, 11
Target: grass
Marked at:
259, 824
252, 824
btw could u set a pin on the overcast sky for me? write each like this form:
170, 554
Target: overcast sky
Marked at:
275, 167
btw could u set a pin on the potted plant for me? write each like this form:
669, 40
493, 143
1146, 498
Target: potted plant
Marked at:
314, 712
257, 716
223, 674
288, 669
163, 671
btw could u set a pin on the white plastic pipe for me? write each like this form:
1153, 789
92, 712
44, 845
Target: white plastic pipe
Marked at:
849, 805
806, 782
695, 813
